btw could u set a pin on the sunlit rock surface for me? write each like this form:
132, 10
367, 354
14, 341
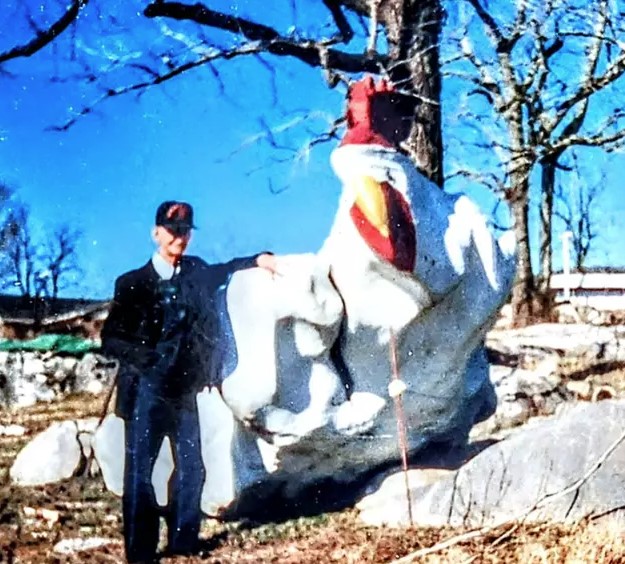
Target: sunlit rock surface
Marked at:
565, 468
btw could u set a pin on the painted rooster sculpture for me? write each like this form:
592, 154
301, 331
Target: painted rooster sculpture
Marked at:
416, 265
418, 272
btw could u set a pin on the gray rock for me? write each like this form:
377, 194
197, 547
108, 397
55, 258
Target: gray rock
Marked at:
33, 365
53, 455
94, 373
86, 428
511, 383
523, 393
29, 377
579, 340
24, 380
75, 545
530, 474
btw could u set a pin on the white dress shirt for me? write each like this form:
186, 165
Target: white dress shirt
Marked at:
164, 269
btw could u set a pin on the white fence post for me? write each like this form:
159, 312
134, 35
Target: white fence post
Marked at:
566, 263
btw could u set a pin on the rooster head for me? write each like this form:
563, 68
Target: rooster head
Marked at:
378, 120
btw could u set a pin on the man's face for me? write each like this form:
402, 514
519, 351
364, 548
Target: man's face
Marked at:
171, 243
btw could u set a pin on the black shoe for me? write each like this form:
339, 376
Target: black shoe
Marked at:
198, 548
182, 550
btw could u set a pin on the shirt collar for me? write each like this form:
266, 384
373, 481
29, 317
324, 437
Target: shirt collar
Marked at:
163, 268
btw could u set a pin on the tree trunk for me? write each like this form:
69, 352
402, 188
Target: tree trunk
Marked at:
548, 179
523, 289
414, 34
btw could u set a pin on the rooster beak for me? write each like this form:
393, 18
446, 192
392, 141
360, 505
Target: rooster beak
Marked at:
369, 197
384, 220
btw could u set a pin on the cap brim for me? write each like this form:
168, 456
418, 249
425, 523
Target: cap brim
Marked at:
178, 225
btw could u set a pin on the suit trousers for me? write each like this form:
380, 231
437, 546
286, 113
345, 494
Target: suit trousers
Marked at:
153, 418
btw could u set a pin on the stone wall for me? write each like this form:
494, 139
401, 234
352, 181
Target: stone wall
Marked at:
27, 377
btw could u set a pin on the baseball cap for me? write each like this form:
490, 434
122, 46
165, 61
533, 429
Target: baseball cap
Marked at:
175, 216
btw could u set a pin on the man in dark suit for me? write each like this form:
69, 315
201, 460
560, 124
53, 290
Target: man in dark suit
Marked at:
161, 328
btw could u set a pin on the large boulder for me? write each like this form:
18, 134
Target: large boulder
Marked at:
564, 468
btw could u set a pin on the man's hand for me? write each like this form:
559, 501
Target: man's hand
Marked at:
268, 262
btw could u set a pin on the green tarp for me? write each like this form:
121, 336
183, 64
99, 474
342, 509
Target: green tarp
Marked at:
56, 343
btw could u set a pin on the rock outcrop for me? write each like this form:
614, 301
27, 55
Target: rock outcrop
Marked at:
563, 468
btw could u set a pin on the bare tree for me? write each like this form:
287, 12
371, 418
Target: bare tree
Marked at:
543, 64
33, 267
59, 260
575, 207
6, 231
19, 252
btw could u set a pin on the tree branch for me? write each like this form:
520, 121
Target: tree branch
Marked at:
44, 37
316, 53
346, 31
588, 88
512, 93
490, 24
608, 141
485, 80
593, 53
488, 179
155, 78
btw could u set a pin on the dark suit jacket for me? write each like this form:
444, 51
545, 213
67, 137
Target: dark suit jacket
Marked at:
167, 330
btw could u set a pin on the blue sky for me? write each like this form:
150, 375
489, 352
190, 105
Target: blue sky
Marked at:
190, 140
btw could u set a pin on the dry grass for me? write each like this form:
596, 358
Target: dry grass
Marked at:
83, 508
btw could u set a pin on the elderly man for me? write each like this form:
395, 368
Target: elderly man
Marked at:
161, 329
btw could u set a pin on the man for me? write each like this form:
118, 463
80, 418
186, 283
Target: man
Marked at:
161, 328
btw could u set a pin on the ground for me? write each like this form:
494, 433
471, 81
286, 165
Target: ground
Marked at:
34, 520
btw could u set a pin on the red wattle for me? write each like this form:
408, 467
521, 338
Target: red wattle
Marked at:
400, 247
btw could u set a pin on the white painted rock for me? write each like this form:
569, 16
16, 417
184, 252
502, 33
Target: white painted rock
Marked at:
108, 446
12, 430
72, 546
53, 455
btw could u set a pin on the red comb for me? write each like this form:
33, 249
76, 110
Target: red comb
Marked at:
360, 128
